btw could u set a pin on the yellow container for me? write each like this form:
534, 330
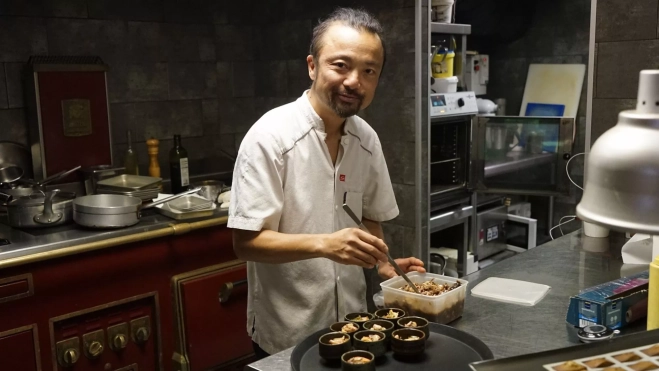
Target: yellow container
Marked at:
442, 64
653, 296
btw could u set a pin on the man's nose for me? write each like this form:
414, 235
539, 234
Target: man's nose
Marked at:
352, 80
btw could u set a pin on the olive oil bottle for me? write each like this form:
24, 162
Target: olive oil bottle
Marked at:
178, 167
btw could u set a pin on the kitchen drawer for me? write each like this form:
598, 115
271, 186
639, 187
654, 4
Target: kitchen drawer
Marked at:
18, 349
211, 333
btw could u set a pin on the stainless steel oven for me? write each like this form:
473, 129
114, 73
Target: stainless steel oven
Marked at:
471, 155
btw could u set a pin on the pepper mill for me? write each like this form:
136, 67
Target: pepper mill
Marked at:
152, 148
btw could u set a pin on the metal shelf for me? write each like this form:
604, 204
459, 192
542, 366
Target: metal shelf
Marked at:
450, 28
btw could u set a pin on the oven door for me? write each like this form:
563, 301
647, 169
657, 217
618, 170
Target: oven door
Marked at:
451, 153
523, 155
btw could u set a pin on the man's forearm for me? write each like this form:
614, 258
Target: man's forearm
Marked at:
273, 247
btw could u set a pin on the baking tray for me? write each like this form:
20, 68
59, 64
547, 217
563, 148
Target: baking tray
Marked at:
129, 183
447, 349
190, 203
536, 361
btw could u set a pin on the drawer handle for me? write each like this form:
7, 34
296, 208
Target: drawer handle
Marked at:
227, 289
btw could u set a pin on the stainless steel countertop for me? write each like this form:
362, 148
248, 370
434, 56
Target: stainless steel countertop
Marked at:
516, 161
28, 242
567, 264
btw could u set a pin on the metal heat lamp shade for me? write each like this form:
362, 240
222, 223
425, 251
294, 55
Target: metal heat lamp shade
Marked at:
622, 184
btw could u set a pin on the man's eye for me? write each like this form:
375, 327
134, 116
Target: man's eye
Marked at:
370, 71
340, 64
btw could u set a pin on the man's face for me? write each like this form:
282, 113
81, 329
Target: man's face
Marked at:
347, 70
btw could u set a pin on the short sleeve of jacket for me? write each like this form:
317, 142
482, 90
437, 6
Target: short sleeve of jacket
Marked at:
257, 194
379, 199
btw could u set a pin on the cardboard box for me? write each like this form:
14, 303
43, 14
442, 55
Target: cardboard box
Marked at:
612, 304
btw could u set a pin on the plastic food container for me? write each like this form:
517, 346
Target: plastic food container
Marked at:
439, 309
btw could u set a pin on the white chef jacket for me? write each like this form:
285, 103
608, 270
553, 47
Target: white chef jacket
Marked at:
284, 181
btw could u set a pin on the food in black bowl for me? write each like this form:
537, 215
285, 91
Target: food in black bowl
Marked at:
346, 327
359, 317
418, 323
408, 342
358, 360
390, 314
332, 345
370, 341
383, 326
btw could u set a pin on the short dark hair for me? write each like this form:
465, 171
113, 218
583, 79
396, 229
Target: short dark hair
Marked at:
359, 19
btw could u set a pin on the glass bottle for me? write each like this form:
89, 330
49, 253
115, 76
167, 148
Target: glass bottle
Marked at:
130, 161
178, 166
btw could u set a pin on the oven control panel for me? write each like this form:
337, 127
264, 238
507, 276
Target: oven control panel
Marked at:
453, 104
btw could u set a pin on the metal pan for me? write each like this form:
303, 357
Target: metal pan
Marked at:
41, 210
113, 211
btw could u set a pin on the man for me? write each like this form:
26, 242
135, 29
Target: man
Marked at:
294, 168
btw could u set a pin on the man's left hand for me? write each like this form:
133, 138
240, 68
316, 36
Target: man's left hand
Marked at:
387, 271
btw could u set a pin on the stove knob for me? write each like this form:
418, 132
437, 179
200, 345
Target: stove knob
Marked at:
461, 102
119, 342
141, 335
70, 357
95, 349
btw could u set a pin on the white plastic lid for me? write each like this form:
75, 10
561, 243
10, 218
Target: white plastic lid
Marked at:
510, 291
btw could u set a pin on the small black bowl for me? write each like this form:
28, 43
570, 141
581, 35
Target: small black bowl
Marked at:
338, 327
352, 316
407, 348
388, 328
345, 366
332, 352
421, 324
378, 347
382, 314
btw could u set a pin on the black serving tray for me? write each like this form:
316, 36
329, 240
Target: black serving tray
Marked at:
535, 361
447, 349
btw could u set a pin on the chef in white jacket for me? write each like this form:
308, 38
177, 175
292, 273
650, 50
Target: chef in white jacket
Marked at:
295, 167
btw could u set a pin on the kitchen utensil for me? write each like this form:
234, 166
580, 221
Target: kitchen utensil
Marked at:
361, 225
41, 210
50, 179
596, 333
152, 150
446, 349
10, 173
510, 291
188, 203
165, 210
114, 211
93, 174
18, 155
554, 84
210, 189
129, 183
437, 263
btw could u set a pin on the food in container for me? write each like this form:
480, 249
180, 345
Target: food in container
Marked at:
359, 317
346, 327
358, 360
442, 308
371, 341
571, 366
598, 363
408, 342
643, 366
414, 322
333, 344
431, 288
384, 326
627, 357
652, 351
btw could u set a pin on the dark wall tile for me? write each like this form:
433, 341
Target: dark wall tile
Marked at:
143, 42
398, 30
619, 64
399, 157
268, 12
605, 115
242, 79
107, 39
24, 8
298, 76
4, 101
626, 20
397, 79
160, 120
237, 115
22, 37
392, 118
299, 9
223, 79
138, 82
188, 43
189, 11
271, 79
14, 127
234, 43
133, 10
69, 8
192, 80
210, 115
289, 40
406, 200
14, 73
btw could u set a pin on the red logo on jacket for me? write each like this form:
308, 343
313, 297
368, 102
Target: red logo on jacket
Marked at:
342, 178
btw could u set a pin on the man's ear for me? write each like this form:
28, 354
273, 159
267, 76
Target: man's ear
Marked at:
311, 65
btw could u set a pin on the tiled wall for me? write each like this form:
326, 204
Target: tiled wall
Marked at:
627, 41
208, 70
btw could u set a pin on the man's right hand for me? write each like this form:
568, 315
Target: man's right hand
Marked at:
354, 247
